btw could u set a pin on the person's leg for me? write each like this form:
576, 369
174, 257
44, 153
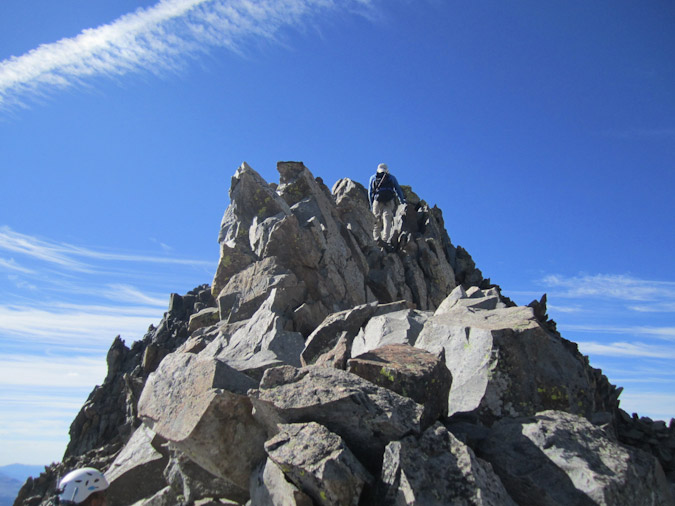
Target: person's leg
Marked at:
377, 212
387, 220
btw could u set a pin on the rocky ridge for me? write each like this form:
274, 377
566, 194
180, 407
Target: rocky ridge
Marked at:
318, 368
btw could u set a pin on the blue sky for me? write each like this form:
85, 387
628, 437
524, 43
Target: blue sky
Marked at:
544, 131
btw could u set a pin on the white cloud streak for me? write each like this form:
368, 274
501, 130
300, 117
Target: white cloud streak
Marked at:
612, 286
62, 371
565, 309
624, 349
657, 406
657, 307
11, 265
154, 39
667, 333
76, 326
68, 256
131, 295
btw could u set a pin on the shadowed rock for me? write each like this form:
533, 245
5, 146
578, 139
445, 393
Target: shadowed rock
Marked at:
437, 469
137, 471
559, 458
319, 463
194, 483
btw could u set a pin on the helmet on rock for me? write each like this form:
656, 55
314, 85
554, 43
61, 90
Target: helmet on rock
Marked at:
77, 485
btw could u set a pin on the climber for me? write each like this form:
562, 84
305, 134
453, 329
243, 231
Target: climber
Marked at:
383, 192
84, 487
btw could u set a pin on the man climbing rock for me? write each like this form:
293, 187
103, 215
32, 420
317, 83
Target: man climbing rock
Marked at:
383, 192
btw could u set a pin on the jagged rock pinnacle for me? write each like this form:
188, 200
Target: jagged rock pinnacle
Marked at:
310, 372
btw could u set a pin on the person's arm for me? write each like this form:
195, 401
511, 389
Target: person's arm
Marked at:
399, 191
370, 191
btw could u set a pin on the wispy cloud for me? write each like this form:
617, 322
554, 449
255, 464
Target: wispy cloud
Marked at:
42, 250
566, 309
62, 371
614, 286
11, 265
70, 257
130, 295
624, 349
81, 300
34, 421
658, 406
154, 39
76, 326
657, 307
667, 333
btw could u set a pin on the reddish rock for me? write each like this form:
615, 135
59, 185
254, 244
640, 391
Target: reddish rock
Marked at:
408, 371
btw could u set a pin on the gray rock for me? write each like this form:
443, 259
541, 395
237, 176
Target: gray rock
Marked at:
262, 342
319, 463
339, 280
250, 198
437, 270
410, 372
338, 356
365, 415
325, 336
165, 497
351, 200
345, 324
269, 487
437, 469
558, 458
399, 327
198, 403
248, 288
456, 294
473, 298
388, 279
504, 363
204, 318
233, 259
137, 471
194, 483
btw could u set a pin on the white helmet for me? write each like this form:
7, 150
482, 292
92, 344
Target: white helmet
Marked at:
382, 168
77, 485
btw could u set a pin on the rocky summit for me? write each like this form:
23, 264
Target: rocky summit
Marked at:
319, 368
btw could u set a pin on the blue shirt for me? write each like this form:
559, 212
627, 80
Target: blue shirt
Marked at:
392, 183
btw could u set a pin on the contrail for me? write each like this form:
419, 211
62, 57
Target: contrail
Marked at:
153, 39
